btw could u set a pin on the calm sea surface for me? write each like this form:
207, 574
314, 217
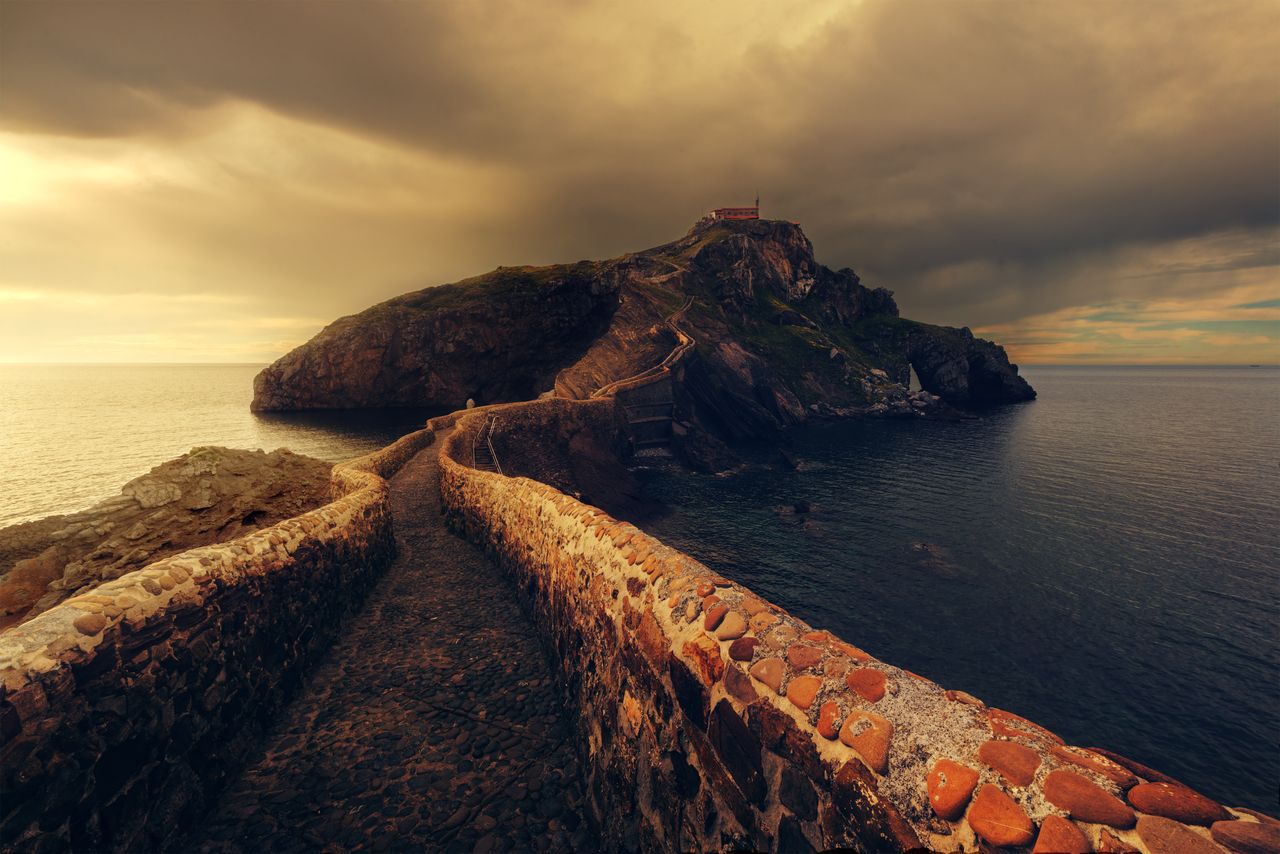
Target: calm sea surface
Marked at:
72, 435
1104, 560
1107, 558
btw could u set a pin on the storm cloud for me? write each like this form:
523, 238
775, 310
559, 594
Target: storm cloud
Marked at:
996, 164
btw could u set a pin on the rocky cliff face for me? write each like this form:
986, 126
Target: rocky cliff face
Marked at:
780, 339
503, 336
209, 495
962, 369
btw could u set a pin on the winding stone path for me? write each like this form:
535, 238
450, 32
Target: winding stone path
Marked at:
433, 724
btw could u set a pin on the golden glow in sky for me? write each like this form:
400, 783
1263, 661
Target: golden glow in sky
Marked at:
216, 181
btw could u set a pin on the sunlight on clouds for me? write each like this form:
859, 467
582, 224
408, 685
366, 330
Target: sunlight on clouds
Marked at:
1014, 167
1161, 331
247, 224
138, 327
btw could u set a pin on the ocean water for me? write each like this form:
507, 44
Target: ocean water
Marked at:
72, 435
1104, 561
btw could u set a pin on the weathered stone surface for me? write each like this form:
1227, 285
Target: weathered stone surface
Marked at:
738, 750
743, 648
713, 616
1110, 843
1059, 836
802, 657
796, 792
782, 636
965, 698
1247, 837
779, 734
769, 671
829, 720
733, 627
866, 824
1166, 836
870, 735
90, 624
1176, 802
997, 818
1096, 763
1015, 762
705, 653
791, 837
1085, 800
950, 787
852, 651
802, 690
1009, 725
867, 683
653, 643
1149, 774
739, 685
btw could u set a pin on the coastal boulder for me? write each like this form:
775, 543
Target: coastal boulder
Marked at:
208, 495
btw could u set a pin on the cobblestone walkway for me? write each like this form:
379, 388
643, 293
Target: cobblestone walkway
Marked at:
432, 725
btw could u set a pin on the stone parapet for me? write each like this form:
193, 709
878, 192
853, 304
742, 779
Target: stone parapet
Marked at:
709, 718
124, 710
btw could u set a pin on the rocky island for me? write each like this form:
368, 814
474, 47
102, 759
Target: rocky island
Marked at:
777, 339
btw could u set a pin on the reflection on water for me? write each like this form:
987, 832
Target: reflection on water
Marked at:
1103, 560
72, 435
334, 433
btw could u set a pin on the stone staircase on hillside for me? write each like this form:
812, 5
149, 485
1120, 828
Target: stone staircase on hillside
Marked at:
648, 398
650, 410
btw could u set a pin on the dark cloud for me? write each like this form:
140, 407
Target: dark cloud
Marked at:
973, 156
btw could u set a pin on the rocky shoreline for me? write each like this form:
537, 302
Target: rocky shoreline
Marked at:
208, 495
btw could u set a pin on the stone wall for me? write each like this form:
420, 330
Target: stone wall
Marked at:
124, 710
710, 718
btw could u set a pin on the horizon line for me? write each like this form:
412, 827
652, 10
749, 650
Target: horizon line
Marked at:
6, 363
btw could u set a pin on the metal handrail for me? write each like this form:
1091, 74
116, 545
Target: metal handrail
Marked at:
485, 435
488, 437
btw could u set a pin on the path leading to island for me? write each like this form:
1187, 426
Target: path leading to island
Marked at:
433, 724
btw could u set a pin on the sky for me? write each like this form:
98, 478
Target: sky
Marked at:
1087, 182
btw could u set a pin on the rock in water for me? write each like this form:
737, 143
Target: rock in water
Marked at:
935, 559
206, 496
